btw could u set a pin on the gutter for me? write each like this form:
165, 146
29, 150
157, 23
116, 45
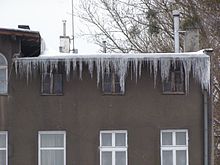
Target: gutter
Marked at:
208, 120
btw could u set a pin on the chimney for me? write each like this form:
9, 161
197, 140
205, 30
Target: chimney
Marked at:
176, 15
104, 46
24, 27
191, 40
64, 40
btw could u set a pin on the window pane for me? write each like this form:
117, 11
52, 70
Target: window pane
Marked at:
120, 139
166, 138
46, 83
58, 84
117, 88
180, 138
52, 157
167, 157
3, 87
107, 87
106, 158
120, 158
2, 157
180, 157
167, 86
106, 139
107, 84
2, 140
52, 140
2, 74
2, 61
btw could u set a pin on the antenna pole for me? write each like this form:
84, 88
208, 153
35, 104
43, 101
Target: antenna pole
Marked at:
73, 27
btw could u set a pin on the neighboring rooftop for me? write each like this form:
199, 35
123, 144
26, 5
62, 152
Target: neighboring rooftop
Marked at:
30, 40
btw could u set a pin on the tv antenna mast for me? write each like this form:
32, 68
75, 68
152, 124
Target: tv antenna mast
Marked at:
74, 50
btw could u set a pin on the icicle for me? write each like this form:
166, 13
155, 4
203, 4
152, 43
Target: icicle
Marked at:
155, 66
164, 69
196, 63
187, 68
102, 69
16, 67
98, 69
140, 65
67, 68
90, 63
80, 69
136, 69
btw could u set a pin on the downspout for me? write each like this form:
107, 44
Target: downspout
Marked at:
208, 120
205, 97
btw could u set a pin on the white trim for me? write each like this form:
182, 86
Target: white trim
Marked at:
51, 148
6, 145
113, 149
174, 147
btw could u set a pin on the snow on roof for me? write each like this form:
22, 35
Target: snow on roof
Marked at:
50, 55
196, 62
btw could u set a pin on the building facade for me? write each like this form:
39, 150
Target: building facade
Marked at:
52, 116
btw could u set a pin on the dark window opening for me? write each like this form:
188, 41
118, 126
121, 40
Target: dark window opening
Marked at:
52, 84
175, 84
111, 84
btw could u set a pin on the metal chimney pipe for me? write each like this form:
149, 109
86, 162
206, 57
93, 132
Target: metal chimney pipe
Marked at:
176, 15
64, 28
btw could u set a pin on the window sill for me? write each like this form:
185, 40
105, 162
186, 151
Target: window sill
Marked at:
48, 94
113, 94
174, 93
3, 94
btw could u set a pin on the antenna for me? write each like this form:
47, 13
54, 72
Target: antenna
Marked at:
73, 27
64, 27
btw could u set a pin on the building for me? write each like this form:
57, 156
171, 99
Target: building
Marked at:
107, 109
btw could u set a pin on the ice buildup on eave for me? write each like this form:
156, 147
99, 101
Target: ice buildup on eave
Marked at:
197, 63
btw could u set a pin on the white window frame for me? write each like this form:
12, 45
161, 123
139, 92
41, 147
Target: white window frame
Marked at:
51, 148
5, 68
113, 148
174, 147
6, 146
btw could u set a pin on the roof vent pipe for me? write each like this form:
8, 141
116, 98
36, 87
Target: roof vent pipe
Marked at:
64, 28
176, 15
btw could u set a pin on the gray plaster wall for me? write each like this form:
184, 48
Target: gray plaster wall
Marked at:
83, 111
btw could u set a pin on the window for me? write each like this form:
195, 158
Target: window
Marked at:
3, 75
113, 148
52, 148
175, 84
111, 84
52, 84
174, 147
3, 148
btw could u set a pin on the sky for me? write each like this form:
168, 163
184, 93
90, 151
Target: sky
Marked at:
46, 17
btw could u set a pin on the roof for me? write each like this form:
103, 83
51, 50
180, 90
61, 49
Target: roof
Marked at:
20, 33
30, 40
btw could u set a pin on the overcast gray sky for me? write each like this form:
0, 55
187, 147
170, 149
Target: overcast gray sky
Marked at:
46, 17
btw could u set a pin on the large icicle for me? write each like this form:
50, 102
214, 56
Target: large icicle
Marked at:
196, 63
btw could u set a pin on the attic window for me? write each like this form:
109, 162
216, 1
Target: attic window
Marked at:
175, 83
111, 84
52, 84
